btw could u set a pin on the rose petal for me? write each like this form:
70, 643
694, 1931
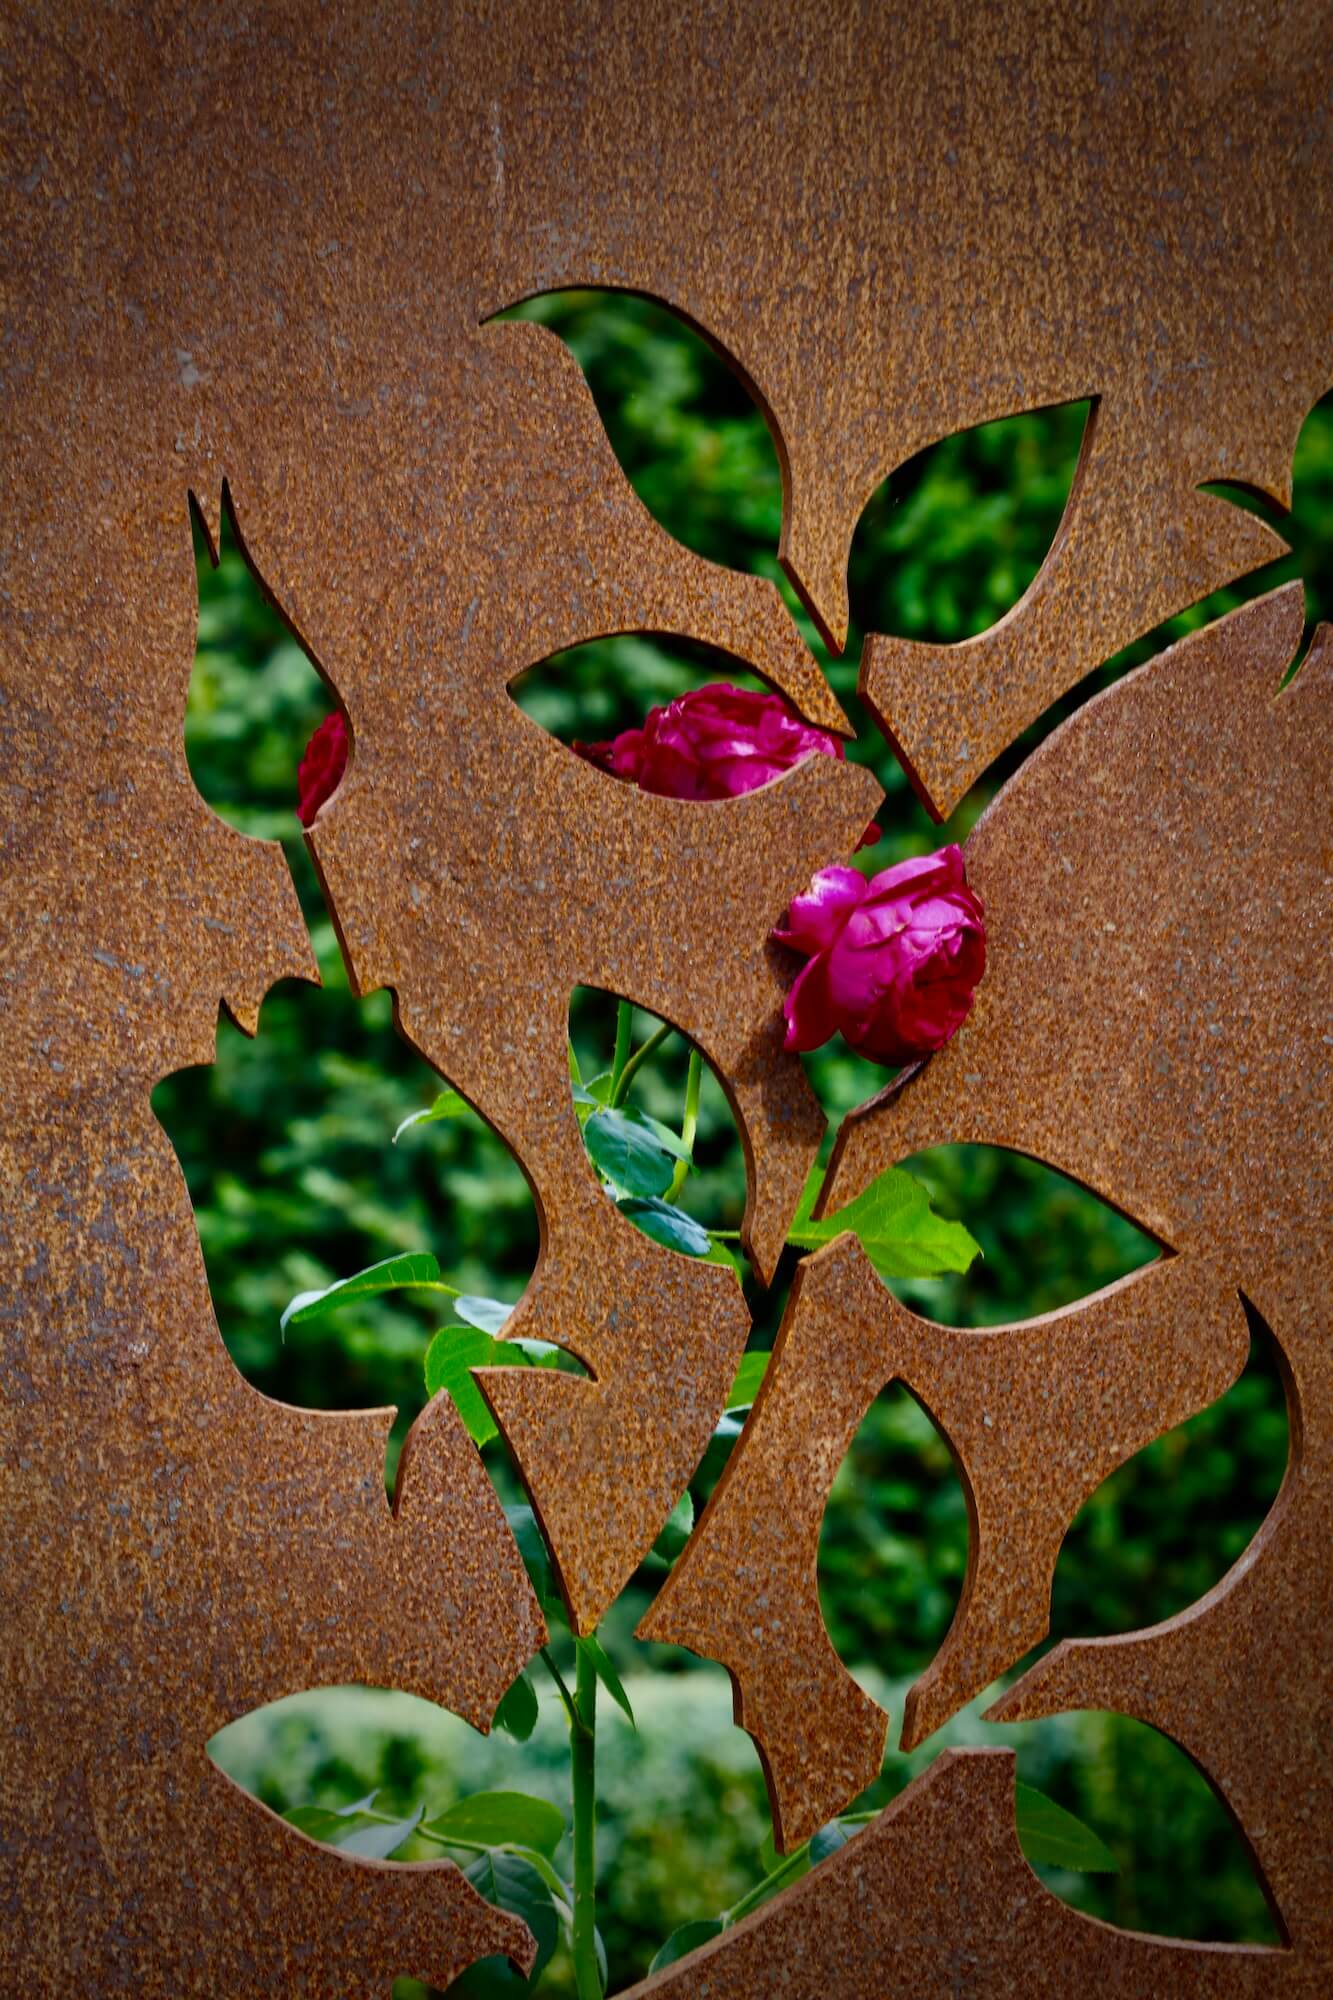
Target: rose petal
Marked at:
818, 914
943, 870
321, 769
811, 1020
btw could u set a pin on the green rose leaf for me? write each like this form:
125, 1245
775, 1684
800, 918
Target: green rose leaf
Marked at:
667, 1225
722, 1253
366, 1804
895, 1225
532, 1547
516, 1712
376, 1841
676, 1529
749, 1376
354, 1831
447, 1105
452, 1355
687, 1939
632, 1157
670, 1142
415, 1270
1048, 1833
594, 1650
805, 1207
487, 1314
511, 1883
827, 1841
319, 1823
533, 1354
500, 1819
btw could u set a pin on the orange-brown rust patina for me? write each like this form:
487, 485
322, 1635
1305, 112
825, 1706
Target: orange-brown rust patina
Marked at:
262, 248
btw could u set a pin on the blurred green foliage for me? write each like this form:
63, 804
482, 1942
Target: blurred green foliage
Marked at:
286, 1145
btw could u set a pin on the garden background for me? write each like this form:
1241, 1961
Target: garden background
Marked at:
287, 1144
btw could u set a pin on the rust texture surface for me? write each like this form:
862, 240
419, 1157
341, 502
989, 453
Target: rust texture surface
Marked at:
263, 249
935, 1897
1037, 1414
1169, 844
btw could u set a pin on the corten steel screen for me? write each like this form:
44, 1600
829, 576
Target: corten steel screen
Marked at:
265, 248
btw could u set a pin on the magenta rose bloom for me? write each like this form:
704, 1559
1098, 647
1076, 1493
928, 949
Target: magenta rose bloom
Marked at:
322, 767
893, 960
714, 743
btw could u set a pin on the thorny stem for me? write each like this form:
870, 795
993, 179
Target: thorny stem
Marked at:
583, 1769
689, 1124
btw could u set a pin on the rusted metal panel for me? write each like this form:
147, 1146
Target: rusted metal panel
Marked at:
259, 248
1037, 1415
1153, 1022
936, 1898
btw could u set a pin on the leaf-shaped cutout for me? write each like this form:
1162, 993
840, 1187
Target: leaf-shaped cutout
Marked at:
1308, 529
1045, 1241
376, 1775
596, 697
686, 427
952, 539
893, 1543
256, 697
1182, 1868
1213, 1479
286, 1143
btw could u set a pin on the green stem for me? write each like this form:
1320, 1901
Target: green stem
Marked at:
689, 1124
583, 1769
621, 1082
787, 1871
624, 1033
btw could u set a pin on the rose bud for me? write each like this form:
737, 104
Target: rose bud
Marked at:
714, 743
892, 961
322, 766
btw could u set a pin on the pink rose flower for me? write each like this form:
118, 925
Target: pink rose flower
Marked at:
714, 743
322, 767
892, 961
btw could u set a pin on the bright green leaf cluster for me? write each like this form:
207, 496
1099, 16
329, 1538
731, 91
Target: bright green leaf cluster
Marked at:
894, 1223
